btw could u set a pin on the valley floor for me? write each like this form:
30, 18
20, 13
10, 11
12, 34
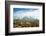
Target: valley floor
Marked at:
25, 23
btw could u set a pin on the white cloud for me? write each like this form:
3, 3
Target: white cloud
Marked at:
21, 14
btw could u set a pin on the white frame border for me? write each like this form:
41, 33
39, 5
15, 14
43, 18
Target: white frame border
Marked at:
24, 29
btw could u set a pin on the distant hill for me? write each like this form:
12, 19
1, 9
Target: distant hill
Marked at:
26, 18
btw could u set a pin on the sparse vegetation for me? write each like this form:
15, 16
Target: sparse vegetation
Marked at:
25, 23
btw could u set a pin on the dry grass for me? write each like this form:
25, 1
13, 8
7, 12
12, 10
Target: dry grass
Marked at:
25, 23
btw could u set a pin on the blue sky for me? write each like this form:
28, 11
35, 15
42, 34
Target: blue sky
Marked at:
22, 12
24, 9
